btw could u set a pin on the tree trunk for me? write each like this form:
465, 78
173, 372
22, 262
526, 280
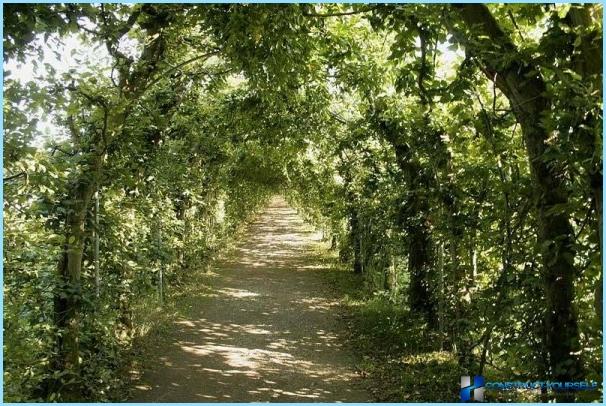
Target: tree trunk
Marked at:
526, 91
414, 219
67, 301
96, 246
390, 282
356, 243
419, 294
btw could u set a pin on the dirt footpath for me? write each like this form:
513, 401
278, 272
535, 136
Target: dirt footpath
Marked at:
265, 330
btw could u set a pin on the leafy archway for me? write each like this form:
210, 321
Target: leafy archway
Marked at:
451, 154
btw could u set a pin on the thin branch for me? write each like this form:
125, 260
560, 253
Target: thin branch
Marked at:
576, 237
424, 38
339, 118
338, 14
89, 30
494, 94
104, 129
180, 65
207, 55
58, 148
14, 176
99, 100
209, 73
71, 124
111, 76
515, 24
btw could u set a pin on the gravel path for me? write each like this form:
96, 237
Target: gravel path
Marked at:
265, 330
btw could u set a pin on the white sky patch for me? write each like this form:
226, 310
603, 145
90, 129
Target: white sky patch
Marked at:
448, 60
70, 55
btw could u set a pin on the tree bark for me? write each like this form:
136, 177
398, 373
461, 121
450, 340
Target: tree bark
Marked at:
419, 262
354, 224
524, 87
96, 245
67, 301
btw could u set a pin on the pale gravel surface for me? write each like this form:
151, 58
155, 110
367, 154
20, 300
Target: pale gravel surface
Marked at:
266, 330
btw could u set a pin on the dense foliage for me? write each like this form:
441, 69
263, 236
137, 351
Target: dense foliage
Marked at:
452, 154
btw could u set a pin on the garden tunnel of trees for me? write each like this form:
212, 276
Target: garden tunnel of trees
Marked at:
451, 153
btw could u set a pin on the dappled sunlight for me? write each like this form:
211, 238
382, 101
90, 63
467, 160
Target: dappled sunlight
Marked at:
237, 293
264, 330
319, 303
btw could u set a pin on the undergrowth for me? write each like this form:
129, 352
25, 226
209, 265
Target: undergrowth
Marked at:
399, 358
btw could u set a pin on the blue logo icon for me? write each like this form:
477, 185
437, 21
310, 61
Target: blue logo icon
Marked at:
473, 392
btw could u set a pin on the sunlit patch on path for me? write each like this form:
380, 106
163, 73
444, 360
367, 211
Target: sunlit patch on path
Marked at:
265, 331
